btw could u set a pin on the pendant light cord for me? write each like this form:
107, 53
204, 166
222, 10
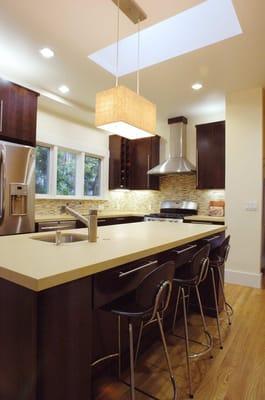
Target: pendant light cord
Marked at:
138, 60
117, 47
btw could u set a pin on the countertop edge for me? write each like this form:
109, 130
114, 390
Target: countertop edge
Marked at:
41, 284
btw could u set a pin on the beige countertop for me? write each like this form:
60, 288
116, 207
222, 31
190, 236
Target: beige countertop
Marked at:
101, 214
39, 265
206, 218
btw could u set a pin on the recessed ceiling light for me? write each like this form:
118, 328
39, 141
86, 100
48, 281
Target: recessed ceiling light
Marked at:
46, 52
64, 89
197, 86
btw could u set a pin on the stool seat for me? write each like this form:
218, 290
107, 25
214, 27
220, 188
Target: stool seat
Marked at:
127, 306
184, 275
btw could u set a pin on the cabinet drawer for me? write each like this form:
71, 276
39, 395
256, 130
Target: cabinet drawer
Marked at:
112, 284
183, 254
214, 240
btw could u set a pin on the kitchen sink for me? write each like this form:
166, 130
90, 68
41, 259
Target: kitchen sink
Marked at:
65, 238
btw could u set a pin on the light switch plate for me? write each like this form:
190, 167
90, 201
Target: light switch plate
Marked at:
251, 205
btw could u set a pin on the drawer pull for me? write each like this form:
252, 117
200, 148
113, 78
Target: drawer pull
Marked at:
132, 271
120, 219
213, 238
102, 220
184, 250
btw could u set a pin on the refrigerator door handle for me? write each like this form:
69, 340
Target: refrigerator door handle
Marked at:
2, 185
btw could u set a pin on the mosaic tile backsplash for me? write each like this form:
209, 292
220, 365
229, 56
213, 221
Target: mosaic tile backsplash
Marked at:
175, 187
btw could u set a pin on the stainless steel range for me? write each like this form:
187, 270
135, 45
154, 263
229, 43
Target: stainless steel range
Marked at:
173, 211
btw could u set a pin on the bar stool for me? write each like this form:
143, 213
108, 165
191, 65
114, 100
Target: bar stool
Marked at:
187, 278
147, 304
218, 257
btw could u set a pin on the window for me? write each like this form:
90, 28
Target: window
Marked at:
42, 169
66, 173
92, 176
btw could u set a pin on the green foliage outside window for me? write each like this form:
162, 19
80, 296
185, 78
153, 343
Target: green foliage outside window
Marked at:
42, 169
92, 176
66, 173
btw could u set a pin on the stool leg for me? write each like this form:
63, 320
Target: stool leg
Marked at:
176, 310
207, 334
119, 346
216, 309
223, 293
139, 341
132, 386
170, 370
187, 341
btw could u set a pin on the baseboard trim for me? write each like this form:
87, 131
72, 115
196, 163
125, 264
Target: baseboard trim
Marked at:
243, 278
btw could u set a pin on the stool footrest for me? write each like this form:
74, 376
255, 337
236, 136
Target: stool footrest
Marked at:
208, 347
108, 357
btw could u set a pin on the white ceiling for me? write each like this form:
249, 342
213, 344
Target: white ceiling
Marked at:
74, 29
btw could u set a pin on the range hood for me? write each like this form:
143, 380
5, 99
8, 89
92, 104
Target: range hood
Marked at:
177, 162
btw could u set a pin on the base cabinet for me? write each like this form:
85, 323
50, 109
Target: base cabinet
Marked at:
50, 338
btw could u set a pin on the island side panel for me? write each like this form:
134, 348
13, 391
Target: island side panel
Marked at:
18, 342
65, 341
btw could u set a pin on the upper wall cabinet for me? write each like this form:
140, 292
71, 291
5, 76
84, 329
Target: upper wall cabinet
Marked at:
18, 113
211, 155
129, 162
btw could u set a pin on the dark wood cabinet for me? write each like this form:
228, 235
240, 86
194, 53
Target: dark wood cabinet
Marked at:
119, 164
18, 113
211, 155
129, 162
144, 156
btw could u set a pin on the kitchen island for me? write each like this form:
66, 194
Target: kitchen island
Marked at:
49, 296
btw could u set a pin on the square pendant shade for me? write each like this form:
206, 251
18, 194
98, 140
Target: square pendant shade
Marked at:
125, 113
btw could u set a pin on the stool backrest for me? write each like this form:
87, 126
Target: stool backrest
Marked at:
199, 264
154, 291
223, 250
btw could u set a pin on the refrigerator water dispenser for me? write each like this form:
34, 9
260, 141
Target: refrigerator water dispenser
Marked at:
18, 199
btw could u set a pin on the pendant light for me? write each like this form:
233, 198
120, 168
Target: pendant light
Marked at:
120, 110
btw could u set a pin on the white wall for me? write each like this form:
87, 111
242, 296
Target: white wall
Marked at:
244, 182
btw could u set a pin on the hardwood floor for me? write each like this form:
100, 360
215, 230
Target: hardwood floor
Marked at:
235, 373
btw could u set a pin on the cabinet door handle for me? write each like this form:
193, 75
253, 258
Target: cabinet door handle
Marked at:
148, 167
2, 185
1, 114
213, 238
132, 271
197, 168
184, 250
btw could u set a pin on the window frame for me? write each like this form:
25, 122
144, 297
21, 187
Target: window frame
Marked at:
80, 170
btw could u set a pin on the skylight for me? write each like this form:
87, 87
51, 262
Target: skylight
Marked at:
207, 23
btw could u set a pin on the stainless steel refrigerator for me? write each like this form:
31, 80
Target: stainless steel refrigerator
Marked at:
17, 188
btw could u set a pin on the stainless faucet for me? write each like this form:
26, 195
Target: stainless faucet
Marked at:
90, 222
58, 238
76, 214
